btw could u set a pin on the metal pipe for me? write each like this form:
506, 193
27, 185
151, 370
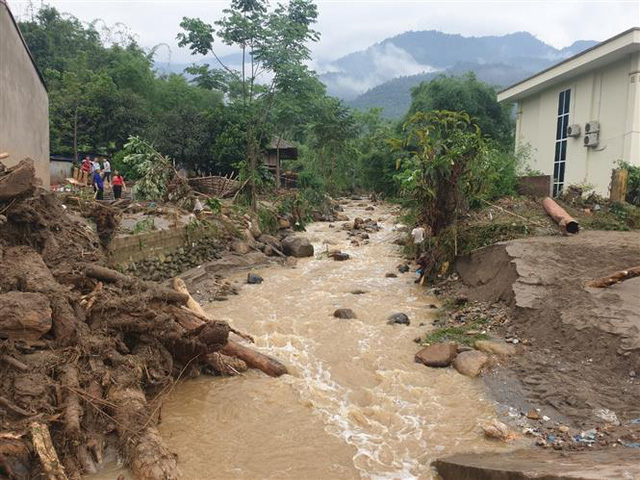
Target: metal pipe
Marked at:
559, 215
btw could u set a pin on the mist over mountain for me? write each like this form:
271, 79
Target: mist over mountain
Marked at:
383, 74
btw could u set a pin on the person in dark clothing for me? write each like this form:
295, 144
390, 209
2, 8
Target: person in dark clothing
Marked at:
118, 185
98, 185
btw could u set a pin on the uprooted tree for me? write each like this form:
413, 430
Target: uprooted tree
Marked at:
87, 353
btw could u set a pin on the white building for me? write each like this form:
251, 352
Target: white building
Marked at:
582, 115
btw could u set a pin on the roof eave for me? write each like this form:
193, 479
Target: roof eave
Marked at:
601, 54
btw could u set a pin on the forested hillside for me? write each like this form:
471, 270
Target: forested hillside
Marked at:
383, 74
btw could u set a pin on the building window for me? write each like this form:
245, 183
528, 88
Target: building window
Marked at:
560, 157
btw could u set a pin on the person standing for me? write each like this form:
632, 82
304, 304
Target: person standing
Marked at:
85, 169
98, 185
106, 169
418, 237
117, 185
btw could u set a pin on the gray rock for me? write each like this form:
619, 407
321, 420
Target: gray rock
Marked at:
254, 279
439, 355
297, 247
403, 268
398, 318
344, 313
270, 240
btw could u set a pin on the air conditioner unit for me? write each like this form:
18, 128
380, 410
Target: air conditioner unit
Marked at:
573, 130
591, 140
592, 127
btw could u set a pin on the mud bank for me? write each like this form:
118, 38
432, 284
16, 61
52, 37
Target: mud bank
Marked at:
575, 385
583, 343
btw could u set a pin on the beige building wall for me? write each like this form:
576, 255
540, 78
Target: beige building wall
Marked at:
24, 105
610, 95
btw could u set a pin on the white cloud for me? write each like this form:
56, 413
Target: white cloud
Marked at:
351, 25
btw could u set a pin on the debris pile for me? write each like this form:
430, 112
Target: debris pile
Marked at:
87, 353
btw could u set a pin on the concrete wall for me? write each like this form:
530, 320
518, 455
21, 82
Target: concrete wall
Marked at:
60, 170
24, 105
610, 95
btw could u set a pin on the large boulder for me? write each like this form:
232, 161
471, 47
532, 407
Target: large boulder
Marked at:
493, 347
470, 363
297, 247
270, 240
438, 355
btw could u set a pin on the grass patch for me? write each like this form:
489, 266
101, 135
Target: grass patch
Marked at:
464, 334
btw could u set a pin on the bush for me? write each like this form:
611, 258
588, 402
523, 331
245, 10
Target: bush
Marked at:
633, 185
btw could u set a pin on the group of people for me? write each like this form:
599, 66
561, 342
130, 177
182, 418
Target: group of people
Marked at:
101, 174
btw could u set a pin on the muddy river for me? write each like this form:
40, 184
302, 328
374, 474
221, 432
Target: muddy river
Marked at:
355, 405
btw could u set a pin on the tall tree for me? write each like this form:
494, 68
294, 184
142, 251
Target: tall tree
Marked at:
274, 46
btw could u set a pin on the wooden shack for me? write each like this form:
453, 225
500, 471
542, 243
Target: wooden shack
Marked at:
277, 150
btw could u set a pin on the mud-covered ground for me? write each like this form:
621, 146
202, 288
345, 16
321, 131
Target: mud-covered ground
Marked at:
580, 360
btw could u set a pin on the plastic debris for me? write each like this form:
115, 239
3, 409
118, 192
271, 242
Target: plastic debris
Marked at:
607, 415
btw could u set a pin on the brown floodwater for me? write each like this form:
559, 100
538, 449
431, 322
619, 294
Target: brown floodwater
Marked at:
355, 404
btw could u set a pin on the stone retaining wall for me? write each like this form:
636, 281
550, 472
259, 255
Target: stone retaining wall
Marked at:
134, 248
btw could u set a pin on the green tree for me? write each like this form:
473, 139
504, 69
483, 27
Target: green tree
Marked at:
443, 166
466, 94
274, 44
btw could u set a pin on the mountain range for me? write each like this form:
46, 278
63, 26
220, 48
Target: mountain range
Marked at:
383, 74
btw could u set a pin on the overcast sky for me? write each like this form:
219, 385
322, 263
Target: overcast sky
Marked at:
351, 25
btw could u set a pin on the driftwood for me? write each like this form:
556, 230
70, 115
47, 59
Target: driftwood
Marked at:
17, 364
149, 458
72, 408
559, 215
9, 405
252, 358
614, 278
47, 454
108, 275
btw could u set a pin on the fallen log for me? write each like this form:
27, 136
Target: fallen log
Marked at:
108, 275
180, 286
9, 405
559, 215
42, 444
17, 364
149, 458
614, 278
252, 358
72, 408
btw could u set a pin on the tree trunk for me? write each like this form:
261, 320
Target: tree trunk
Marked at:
75, 134
149, 458
619, 179
614, 278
